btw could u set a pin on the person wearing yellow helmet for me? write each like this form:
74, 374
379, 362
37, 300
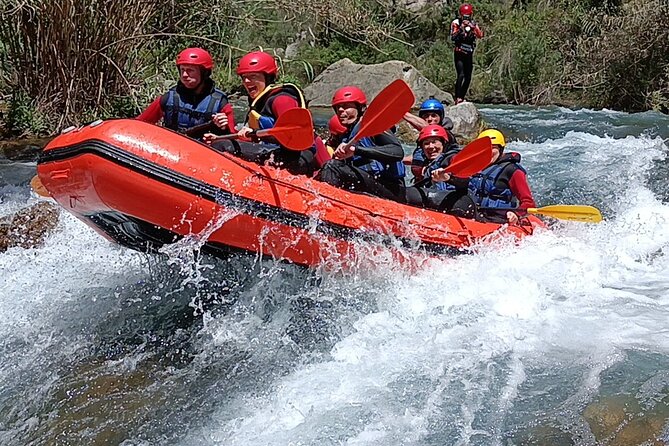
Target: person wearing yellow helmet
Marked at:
503, 184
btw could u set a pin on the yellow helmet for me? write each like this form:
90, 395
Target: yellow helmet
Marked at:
495, 136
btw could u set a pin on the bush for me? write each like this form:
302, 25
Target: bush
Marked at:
100, 58
24, 117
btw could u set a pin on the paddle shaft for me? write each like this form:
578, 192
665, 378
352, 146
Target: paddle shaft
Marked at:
257, 133
294, 130
582, 213
199, 128
427, 180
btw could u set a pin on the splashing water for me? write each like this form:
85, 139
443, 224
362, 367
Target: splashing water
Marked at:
560, 339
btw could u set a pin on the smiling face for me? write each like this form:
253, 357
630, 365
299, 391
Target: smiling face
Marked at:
347, 112
432, 147
190, 75
254, 83
431, 118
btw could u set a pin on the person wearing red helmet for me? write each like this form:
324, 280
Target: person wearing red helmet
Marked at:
444, 145
337, 131
267, 101
374, 164
464, 32
431, 112
447, 196
195, 101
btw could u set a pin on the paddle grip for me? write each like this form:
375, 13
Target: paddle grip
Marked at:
198, 128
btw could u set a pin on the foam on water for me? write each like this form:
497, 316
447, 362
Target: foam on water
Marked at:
458, 352
489, 348
448, 354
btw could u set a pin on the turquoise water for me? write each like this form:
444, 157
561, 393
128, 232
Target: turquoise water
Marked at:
516, 344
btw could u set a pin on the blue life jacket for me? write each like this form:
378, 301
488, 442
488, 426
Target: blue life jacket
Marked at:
490, 187
438, 163
180, 114
441, 161
389, 172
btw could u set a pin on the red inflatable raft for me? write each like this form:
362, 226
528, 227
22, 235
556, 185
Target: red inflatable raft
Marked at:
143, 186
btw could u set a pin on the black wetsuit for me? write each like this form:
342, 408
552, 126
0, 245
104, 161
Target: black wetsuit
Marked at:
455, 200
348, 174
296, 162
464, 65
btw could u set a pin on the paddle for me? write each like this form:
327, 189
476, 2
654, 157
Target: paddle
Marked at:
473, 158
198, 129
575, 212
386, 109
38, 187
294, 130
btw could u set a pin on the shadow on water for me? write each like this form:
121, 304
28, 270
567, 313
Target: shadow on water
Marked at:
151, 359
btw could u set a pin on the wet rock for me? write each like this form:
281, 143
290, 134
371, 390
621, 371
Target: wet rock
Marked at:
467, 122
28, 227
406, 133
22, 149
619, 420
371, 79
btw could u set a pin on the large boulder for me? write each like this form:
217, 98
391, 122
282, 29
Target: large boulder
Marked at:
417, 5
467, 124
371, 79
28, 227
466, 119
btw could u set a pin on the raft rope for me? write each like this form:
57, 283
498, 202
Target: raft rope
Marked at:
261, 175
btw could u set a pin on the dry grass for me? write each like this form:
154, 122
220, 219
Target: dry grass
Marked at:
71, 55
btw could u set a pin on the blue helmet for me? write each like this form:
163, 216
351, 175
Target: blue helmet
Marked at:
432, 105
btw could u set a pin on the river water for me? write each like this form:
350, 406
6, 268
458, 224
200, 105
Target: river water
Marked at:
560, 340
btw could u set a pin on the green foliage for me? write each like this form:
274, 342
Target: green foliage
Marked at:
520, 55
111, 58
437, 65
322, 57
24, 117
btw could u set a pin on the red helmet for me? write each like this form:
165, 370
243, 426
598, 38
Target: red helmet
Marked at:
349, 94
335, 126
466, 10
195, 56
432, 130
257, 62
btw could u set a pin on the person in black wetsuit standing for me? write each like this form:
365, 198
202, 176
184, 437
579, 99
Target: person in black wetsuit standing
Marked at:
464, 32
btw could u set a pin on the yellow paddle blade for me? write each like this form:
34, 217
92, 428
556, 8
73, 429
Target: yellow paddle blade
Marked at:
575, 212
38, 187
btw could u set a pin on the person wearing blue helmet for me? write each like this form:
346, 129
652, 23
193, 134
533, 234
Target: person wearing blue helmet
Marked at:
431, 112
